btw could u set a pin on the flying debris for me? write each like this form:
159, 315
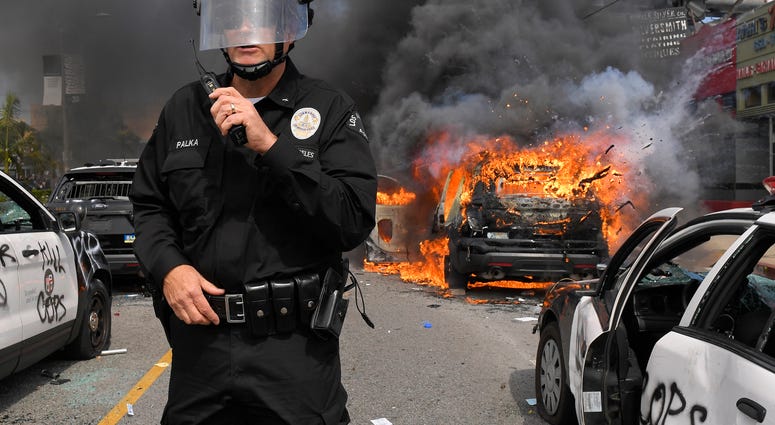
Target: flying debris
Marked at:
599, 175
625, 204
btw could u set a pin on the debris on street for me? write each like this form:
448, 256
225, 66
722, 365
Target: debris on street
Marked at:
110, 352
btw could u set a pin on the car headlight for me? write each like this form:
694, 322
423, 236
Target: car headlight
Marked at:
473, 223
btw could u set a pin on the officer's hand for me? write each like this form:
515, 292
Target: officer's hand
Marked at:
184, 290
260, 138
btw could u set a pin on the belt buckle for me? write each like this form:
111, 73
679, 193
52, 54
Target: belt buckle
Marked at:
239, 301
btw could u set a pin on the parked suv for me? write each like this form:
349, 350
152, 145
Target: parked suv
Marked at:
99, 195
504, 226
55, 285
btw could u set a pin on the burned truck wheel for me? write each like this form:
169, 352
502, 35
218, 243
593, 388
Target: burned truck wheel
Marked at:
454, 279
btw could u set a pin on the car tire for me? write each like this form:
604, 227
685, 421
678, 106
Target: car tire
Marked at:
94, 334
553, 398
454, 279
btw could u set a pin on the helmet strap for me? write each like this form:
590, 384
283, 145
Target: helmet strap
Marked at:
255, 71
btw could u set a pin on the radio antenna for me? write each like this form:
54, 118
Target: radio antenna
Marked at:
199, 66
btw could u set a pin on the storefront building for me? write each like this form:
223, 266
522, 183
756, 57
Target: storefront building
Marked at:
755, 96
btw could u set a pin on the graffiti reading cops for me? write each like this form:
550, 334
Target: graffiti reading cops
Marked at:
673, 404
50, 307
51, 258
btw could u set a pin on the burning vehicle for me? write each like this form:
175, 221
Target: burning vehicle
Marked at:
530, 215
510, 228
506, 216
399, 221
389, 240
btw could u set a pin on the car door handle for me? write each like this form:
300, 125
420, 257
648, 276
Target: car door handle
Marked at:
30, 252
752, 409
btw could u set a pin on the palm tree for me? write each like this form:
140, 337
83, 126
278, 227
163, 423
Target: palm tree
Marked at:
28, 154
9, 123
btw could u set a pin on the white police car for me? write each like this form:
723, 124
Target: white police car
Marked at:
54, 283
678, 328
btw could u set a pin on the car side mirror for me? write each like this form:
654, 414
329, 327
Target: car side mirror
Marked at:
724, 324
68, 221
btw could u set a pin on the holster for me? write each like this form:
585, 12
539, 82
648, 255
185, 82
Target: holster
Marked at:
260, 314
329, 315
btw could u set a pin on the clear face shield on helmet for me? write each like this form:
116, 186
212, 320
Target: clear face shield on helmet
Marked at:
230, 23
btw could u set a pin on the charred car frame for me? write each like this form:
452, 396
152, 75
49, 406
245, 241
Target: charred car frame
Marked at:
511, 229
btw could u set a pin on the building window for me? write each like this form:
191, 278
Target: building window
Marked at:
771, 92
752, 96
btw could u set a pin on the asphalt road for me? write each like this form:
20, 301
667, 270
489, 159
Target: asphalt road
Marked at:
430, 360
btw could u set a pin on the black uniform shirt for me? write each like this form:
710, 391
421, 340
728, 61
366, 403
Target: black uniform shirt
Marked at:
238, 216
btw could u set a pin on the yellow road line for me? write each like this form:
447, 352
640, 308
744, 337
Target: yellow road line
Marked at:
119, 410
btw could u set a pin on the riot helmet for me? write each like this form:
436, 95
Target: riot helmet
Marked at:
231, 23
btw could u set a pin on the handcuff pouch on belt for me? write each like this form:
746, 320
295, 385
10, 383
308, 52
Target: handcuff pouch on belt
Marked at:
329, 316
308, 290
260, 314
283, 300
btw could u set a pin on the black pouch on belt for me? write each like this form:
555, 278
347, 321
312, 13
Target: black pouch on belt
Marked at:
308, 291
259, 312
284, 308
329, 316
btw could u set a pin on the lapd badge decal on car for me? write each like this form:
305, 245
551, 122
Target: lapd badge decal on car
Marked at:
48, 282
305, 123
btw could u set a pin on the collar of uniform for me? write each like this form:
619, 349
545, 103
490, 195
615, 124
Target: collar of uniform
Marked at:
284, 94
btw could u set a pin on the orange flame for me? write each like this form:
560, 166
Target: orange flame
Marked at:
402, 197
592, 165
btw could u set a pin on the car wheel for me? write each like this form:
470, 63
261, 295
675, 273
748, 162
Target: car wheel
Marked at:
553, 398
94, 334
454, 279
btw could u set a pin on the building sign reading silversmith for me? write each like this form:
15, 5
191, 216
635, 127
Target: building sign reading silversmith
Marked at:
661, 32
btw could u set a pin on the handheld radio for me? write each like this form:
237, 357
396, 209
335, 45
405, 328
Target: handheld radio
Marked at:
210, 83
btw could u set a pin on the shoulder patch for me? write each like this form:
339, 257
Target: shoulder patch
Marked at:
354, 123
305, 122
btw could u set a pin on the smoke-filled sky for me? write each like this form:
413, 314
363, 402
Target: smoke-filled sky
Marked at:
138, 52
478, 67
531, 70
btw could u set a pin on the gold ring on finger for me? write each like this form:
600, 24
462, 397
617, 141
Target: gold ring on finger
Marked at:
233, 108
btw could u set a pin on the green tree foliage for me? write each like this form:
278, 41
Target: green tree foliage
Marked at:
24, 157
9, 126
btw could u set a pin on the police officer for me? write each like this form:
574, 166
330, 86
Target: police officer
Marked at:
236, 233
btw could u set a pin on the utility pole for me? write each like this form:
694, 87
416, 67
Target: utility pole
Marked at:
65, 135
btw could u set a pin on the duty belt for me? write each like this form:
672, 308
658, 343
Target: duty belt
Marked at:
272, 306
